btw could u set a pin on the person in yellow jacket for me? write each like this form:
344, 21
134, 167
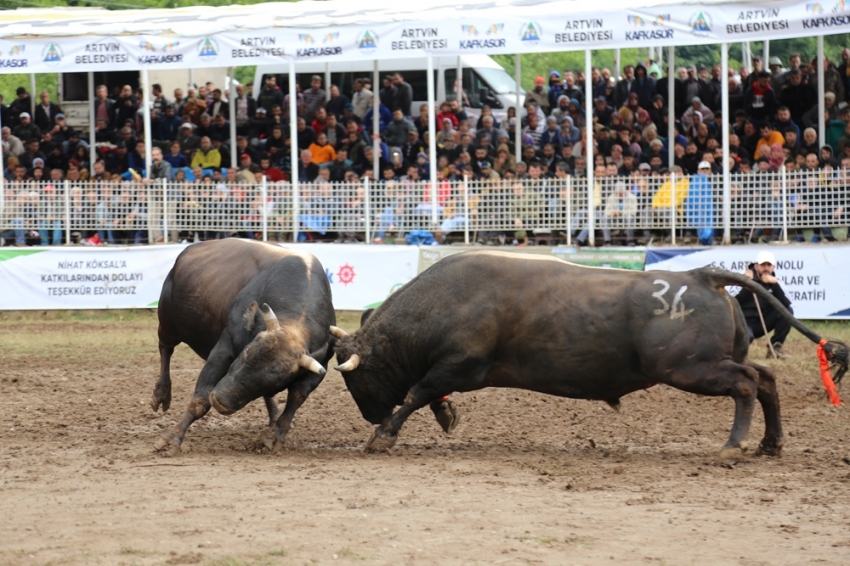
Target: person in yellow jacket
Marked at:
206, 157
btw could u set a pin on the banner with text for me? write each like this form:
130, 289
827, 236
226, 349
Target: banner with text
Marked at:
813, 278
527, 29
361, 276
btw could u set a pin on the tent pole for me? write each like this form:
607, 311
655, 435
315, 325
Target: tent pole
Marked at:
234, 158
92, 124
33, 96
327, 81
671, 105
191, 80
376, 123
821, 95
146, 118
432, 142
588, 144
459, 94
766, 54
727, 189
518, 128
294, 156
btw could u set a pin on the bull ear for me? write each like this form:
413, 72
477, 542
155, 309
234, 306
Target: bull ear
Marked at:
250, 316
270, 318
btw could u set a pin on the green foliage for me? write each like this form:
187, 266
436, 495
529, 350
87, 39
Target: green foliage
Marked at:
540, 64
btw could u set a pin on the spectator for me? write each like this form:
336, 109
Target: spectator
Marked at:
760, 100
314, 98
403, 96
642, 85
395, 133
538, 96
206, 157
362, 98
26, 131
46, 112
624, 87
271, 96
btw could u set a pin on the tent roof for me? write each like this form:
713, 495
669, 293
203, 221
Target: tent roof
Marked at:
206, 20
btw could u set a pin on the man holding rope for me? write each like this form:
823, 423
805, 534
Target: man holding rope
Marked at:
761, 317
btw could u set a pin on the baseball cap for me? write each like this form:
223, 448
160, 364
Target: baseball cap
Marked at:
244, 155
775, 61
484, 164
60, 116
422, 154
704, 165
349, 106
601, 99
25, 115
644, 167
189, 125
766, 257
539, 80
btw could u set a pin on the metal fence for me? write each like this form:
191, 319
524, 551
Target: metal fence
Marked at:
551, 210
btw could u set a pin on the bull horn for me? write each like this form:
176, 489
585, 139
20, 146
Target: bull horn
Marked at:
338, 332
350, 365
311, 364
270, 318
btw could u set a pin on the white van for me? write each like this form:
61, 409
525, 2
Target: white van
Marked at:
484, 80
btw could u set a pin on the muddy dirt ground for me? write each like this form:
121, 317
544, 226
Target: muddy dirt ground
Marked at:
526, 479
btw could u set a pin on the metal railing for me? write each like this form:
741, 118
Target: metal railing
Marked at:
775, 205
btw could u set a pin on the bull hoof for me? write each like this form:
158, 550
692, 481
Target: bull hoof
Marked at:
160, 399
769, 447
380, 442
730, 455
447, 416
272, 443
168, 446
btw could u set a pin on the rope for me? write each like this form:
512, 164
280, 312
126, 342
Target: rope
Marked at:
764, 326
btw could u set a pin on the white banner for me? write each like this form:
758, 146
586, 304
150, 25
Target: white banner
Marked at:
814, 278
361, 276
536, 27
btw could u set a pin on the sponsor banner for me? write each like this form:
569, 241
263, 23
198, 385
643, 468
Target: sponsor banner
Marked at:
84, 278
534, 28
813, 278
361, 276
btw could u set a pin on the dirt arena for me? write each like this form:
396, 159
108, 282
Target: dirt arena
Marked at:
526, 479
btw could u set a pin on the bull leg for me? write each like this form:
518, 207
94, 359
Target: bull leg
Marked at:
273, 409
773, 439
216, 367
446, 414
162, 389
295, 397
725, 378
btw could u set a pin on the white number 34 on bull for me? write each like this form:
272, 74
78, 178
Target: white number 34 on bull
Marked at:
678, 309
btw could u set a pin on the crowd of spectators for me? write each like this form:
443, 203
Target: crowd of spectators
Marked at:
774, 125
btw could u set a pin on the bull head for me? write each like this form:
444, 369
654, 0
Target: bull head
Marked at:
354, 360
267, 365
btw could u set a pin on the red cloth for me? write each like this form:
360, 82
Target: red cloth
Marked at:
826, 376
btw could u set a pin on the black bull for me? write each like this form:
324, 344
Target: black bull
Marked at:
494, 319
210, 301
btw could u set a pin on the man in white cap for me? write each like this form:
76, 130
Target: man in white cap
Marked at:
762, 272
26, 130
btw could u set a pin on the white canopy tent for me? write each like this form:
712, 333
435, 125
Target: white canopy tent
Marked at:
88, 40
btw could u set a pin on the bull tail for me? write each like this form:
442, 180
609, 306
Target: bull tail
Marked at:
837, 353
